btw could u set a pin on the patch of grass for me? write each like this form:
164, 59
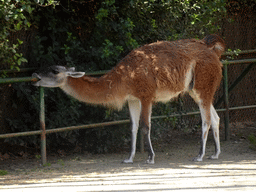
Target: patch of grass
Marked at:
252, 140
38, 157
47, 164
3, 172
61, 162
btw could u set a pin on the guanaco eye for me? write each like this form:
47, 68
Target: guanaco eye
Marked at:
55, 72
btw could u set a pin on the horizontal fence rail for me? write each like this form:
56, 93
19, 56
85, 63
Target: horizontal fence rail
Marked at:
18, 80
22, 70
104, 124
43, 130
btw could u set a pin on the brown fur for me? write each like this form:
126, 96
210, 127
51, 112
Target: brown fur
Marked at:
157, 68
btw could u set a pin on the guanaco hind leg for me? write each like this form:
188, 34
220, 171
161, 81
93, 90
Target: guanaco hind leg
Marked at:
135, 110
205, 115
215, 120
209, 118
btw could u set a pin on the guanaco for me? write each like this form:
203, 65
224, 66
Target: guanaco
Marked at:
155, 72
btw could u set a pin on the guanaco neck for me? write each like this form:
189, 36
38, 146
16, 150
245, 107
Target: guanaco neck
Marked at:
103, 90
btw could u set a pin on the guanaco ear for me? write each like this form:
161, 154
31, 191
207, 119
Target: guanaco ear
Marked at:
75, 74
71, 69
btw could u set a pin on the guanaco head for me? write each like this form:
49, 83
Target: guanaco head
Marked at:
55, 76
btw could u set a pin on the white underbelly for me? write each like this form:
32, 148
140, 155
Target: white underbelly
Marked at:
131, 97
160, 96
165, 96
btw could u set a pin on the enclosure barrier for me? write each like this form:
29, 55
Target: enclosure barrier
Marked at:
43, 130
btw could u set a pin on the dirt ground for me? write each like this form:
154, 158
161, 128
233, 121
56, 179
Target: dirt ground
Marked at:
174, 170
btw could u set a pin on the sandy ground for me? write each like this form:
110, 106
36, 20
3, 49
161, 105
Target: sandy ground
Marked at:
235, 170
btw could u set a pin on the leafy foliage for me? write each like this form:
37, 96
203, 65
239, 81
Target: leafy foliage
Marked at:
252, 140
92, 35
12, 19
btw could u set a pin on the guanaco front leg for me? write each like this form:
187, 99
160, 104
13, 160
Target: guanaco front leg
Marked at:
135, 110
146, 126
